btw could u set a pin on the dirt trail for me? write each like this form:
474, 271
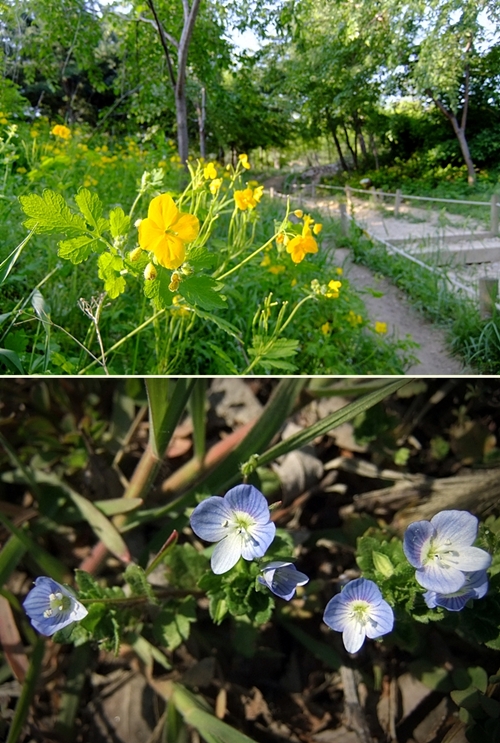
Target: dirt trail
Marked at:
393, 307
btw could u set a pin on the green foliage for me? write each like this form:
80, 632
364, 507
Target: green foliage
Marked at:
172, 624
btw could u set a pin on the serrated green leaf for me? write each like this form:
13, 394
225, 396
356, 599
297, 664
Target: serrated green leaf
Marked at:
138, 582
173, 623
157, 290
199, 258
109, 268
90, 206
119, 222
50, 213
202, 291
77, 249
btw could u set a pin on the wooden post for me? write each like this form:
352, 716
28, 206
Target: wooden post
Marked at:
488, 295
348, 196
374, 194
494, 215
344, 220
271, 192
397, 202
313, 189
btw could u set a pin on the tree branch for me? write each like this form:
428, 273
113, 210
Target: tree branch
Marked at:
171, 39
163, 40
184, 42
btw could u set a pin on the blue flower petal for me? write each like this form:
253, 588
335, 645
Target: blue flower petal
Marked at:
381, 620
208, 519
226, 553
362, 589
258, 541
37, 606
457, 527
416, 541
439, 579
250, 500
337, 613
430, 598
353, 636
472, 559
478, 582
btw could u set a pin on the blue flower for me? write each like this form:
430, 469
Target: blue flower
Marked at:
441, 551
51, 606
359, 611
240, 523
475, 587
282, 578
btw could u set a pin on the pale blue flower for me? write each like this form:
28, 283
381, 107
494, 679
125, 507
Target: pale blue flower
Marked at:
475, 587
240, 523
282, 578
441, 550
359, 611
51, 606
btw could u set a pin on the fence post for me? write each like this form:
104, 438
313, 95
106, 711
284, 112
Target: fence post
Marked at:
271, 192
313, 189
344, 221
488, 294
348, 196
494, 215
397, 202
374, 194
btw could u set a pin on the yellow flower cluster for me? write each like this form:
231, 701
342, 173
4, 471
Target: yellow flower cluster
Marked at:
59, 130
381, 327
244, 161
3, 118
248, 198
354, 319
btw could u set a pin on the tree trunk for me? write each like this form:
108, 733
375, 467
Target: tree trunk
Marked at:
464, 146
374, 150
349, 147
182, 125
201, 111
333, 129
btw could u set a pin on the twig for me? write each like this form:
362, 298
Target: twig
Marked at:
355, 718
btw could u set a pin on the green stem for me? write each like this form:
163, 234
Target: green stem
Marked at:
247, 259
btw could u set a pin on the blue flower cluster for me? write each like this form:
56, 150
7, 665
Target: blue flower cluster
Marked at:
240, 523
452, 570
441, 551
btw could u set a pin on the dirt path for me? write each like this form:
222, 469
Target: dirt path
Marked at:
393, 307
402, 320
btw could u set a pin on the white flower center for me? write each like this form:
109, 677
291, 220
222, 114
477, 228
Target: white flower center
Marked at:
57, 602
360, 612
440, 553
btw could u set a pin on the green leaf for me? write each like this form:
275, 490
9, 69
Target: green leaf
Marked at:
11, 357
77, 249
8, 263
200, 258
194, 711
167, 401
113, 506
119, 222
202, 291
224, 325
50, 213
10, 555
173, 623
27, 692
272, 352
109, 267
138, 582
47, 563
90, 206
157, 290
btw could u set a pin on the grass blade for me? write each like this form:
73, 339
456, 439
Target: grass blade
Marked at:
167, 401
27, 692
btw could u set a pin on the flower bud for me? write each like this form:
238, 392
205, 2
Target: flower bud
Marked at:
150, 272
174, 281
382, 564
135, 254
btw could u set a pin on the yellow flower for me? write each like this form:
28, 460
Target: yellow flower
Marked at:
215, 185
162, 163
307, 220
135, 254
302, 244
381, 327
266, 261
354, 319
210, 172
21, 170
276, 270
325, 328
257, 193
339, 270
244, 161
293, 282
3, 120
317, 228
248, 198
333, 289
59, 130
299, 213
165, 231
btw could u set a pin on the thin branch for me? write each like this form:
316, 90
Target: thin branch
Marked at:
171, 39
184, 43
163, 40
